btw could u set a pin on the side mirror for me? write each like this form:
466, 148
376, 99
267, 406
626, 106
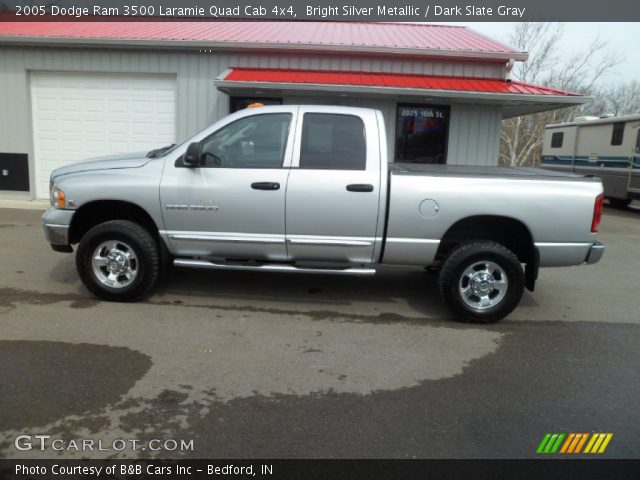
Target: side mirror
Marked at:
192, 157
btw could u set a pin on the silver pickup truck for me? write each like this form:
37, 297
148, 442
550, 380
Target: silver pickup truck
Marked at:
309, 189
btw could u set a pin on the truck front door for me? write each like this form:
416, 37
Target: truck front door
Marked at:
333, 193
232, 206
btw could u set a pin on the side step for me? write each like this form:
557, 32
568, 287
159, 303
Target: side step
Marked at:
270, 267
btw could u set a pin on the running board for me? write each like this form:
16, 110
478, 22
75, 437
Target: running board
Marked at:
270, 267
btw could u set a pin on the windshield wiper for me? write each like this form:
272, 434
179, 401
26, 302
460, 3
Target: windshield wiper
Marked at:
159, 151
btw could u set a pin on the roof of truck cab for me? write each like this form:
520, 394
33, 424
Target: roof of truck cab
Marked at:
374, 37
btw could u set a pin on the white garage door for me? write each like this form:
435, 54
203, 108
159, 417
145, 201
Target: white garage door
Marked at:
81, 115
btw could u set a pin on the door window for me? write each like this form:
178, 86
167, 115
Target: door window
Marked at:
334, 142
617, 133
258, 141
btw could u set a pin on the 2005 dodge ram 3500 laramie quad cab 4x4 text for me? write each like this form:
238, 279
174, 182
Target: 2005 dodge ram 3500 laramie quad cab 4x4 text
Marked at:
309, 189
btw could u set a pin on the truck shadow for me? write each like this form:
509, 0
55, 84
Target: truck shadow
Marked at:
409, 289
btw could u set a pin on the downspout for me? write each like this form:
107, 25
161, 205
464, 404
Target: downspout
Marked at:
510, 64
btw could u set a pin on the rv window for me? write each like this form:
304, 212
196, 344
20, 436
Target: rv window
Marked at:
556, 139
617, 134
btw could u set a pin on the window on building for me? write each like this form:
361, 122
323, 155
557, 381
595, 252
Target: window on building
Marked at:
421, 134
638, 143
334, 142
617, 134
556, 139
258, 141
240, 103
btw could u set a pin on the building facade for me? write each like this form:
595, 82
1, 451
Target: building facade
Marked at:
71, 91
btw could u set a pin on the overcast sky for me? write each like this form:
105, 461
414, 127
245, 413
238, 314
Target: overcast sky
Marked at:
622, 37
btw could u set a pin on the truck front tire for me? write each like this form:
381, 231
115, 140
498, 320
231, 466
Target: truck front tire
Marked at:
118, 261
481, 281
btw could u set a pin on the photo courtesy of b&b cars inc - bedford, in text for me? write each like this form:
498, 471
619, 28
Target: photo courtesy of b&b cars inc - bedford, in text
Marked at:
289, 240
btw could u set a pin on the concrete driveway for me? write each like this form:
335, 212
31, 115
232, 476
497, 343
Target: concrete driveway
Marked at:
272, 365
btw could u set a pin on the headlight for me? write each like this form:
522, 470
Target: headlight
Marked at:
57, 198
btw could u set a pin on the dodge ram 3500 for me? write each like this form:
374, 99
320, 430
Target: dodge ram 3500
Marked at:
309, 189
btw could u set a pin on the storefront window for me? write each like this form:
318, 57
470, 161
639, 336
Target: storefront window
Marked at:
240, 103
421, 134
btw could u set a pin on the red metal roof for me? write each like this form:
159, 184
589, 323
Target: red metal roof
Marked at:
390, 80
393, 36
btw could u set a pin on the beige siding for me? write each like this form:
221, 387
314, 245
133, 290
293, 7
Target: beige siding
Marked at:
474, 135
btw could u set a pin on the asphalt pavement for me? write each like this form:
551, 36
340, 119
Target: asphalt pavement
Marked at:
270, 365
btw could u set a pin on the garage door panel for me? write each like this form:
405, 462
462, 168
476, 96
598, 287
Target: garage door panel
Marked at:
80, 115
72, 105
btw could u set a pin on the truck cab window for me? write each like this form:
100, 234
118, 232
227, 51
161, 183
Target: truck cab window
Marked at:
258, 141
334, 142
556, 139
617, 135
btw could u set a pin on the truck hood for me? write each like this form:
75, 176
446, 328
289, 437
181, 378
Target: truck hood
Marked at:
127, 160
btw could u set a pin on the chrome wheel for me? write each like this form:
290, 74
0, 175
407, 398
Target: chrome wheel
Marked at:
483, 285
115, 264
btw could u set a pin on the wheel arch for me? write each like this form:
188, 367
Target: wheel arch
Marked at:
507, 231
94, 213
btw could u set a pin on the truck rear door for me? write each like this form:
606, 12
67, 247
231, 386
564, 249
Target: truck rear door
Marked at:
333, 190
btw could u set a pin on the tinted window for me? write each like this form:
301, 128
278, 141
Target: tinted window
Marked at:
333, 142
617, 134
258, 141
556, 139
421, 134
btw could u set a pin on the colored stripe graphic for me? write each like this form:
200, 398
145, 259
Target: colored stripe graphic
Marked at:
565, 447
573, 443
605, 443
550, 443
543, 443
598, 443
581, 442
594, 437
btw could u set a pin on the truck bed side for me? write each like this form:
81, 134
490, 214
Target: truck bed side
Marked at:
427, 201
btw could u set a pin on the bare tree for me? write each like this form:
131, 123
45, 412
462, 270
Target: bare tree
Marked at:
620, 98
521, 137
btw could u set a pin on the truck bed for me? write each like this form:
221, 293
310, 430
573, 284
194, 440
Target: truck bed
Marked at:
425, 201
481, 171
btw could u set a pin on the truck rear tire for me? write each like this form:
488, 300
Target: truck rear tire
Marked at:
118, 261
481, 281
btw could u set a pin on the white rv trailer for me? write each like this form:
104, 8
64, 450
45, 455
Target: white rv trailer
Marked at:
606, 147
